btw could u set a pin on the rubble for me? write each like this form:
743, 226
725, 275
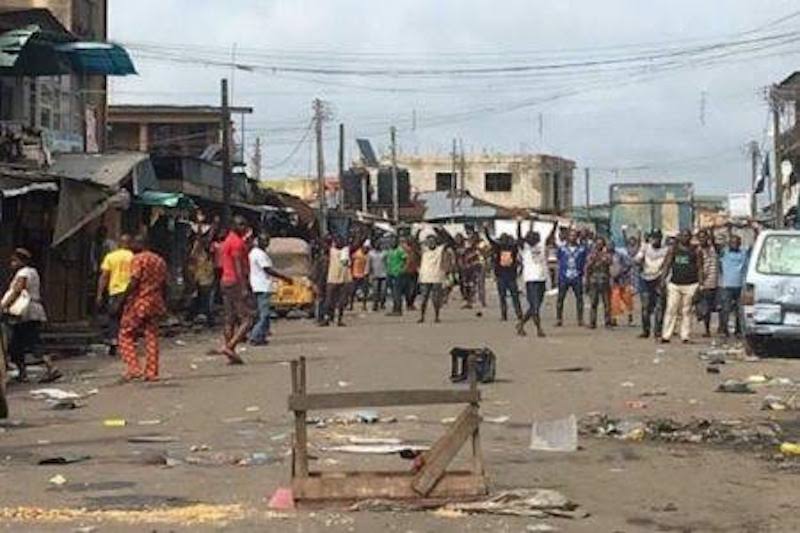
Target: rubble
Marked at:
531, 503
737, 433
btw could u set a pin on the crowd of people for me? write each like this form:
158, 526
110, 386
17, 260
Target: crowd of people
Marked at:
675, 279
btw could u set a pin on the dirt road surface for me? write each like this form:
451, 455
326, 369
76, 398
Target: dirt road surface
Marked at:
217, 416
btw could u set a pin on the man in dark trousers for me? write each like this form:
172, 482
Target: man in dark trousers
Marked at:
571, 267
505, 252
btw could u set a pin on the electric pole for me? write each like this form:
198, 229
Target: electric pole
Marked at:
256, 162
776, 135
453, 180
463, 161
754, 155
341, 166
319, 116
395, 192
587, 177
226, 154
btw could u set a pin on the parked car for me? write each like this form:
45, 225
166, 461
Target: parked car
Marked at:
771, 296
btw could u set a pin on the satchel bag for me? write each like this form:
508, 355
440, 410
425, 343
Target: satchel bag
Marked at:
20, 306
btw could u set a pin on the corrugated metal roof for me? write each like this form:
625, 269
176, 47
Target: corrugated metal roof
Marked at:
438, 205
108, 169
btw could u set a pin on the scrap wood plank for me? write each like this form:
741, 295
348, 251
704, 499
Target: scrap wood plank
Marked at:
354, 486
444, 450
346, 400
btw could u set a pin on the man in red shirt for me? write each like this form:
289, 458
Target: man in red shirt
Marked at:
235, 286
143, 305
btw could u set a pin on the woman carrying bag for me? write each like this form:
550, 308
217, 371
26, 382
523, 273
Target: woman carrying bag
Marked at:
22, 308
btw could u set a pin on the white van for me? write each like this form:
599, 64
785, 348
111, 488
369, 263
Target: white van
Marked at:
771, 295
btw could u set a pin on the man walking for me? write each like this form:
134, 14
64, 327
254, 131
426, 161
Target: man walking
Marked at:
571, 265
143, 305
506, 269
115, 275
235, 285
338, 281
734, 265
685, 266
395, 267
376, 269
651, 258
710, 280
598, 281
360, 273
533, 255
432, 272
261, 274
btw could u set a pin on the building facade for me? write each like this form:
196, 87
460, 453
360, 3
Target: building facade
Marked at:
70, 108
538, 182
171, 130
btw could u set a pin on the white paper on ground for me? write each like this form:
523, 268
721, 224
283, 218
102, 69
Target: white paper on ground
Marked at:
556, 435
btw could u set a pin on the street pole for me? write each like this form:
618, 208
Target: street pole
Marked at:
323, 201
453, 181
776, 135
587, 178
364, 191
257, 160
395, 192
463, 161
754, 153
341, 166
226, 154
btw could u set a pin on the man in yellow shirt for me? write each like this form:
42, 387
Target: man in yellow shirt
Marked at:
115, 275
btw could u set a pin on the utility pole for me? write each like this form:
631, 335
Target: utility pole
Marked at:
395, 192
364, 191
341, 166
323, 201
587, 177
776, 135
256, 162
453, 179
463, 161
226, 154
754, 155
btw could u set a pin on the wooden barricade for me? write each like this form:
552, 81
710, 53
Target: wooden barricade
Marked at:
432, 481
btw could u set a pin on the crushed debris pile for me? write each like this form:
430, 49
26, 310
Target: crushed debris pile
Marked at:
532, 503
737, 433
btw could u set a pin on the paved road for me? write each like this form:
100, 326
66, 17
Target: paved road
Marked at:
219, 415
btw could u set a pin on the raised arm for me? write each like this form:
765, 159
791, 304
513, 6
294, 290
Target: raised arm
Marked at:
489, 237
444, 237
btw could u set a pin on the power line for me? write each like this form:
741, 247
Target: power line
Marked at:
294, 150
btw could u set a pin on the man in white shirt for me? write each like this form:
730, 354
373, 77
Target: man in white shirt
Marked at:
432, 272
533, 254
261, 274
651, 257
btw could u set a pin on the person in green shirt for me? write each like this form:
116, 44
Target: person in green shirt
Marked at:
396, 259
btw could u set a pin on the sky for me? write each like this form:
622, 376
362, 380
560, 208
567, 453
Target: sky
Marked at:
592, 91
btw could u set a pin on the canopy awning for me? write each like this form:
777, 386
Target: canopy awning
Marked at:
30, 51
164, 199
106, 59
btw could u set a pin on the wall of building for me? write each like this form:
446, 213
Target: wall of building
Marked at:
536, 181
88, 20
183, 139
